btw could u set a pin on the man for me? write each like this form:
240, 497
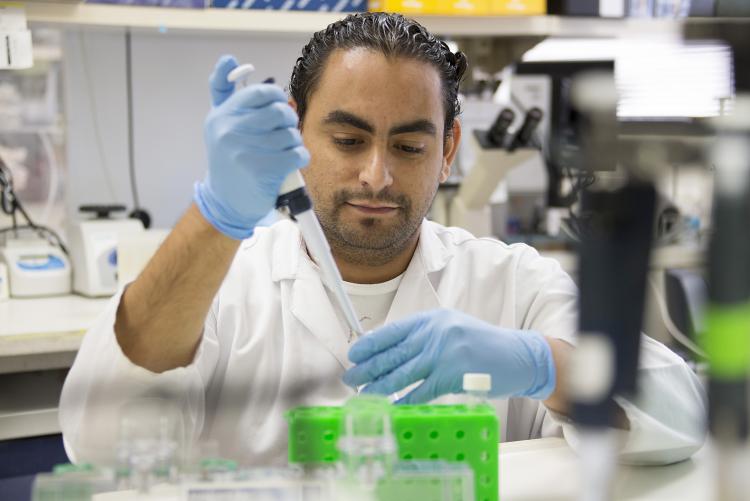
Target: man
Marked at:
234, 325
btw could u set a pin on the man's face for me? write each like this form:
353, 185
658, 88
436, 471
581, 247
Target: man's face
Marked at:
374, 127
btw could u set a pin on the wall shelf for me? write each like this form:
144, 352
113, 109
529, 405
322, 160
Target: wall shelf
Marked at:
268, 22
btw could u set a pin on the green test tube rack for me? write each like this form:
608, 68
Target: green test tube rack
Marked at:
459, 433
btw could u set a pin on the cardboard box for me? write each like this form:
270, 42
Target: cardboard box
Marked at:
192, 4
517, 7
463, 7
306, 5
404, 6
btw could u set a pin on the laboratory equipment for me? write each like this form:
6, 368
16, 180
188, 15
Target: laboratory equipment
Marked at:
149, 443
93, 249
727, 338
367, 443
589, 8
4, 292
35, 267
686, 295
523, 137
497, 133
557, 132
295, 201
36, 258
477, 387
134, 253
68, 482
428, 480
366, 449
453, 433
613, 263
15, 39
470, 208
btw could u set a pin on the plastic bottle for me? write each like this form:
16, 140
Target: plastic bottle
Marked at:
477, 388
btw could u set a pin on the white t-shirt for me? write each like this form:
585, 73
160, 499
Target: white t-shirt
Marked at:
371, 302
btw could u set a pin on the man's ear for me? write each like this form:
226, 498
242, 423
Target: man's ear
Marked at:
450, 148
293, 104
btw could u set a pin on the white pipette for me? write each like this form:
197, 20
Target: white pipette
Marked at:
295, 198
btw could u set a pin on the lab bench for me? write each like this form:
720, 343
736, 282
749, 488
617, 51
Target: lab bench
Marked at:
547, 470
39, 339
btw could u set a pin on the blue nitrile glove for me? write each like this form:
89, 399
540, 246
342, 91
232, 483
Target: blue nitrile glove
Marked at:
440, 346
253, 143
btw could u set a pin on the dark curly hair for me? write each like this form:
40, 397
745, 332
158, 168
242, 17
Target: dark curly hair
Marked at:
391, 34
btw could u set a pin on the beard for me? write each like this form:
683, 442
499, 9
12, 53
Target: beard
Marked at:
370, 241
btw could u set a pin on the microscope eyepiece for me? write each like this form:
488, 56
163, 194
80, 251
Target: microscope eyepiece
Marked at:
530, 123
499, 128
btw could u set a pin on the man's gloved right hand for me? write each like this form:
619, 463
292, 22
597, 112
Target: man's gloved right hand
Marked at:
253, 144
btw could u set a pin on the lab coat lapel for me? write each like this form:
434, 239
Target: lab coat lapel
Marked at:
308, 301
416, 291
312, 307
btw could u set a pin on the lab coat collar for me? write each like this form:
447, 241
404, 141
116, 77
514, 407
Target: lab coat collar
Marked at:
310, 303
434, 253
417, 289
287, 251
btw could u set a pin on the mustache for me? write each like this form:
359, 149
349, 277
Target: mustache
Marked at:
342, 197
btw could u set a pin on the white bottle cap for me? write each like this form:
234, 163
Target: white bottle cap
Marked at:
477, 382
240, 75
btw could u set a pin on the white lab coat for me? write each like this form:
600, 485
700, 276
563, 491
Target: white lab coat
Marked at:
272, 341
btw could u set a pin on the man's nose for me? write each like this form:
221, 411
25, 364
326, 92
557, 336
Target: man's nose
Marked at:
376, 174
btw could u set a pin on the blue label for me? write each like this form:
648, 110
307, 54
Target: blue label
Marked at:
40, 263
112, 258
312, 5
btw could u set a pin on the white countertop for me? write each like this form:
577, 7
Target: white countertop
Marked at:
44, 325
39, 334
547, 470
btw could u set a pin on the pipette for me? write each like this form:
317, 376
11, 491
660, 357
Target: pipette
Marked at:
294, 197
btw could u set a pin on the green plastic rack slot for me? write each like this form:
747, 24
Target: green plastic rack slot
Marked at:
423, 432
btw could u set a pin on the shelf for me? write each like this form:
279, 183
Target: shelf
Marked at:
296, 22
29, 404
161, 19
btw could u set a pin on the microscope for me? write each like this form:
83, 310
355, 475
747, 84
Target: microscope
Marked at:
498, 151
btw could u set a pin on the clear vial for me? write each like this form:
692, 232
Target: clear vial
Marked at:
368, 444
641, 8
477, 388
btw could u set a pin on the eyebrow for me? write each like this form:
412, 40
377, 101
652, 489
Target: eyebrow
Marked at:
345, 118
422, 125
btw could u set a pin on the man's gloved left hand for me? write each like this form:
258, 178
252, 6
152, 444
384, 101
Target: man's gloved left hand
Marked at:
440, 346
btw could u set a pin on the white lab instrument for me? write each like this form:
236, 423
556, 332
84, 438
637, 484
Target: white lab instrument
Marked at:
93, 252
4, 292
294, 198
470, 208
15, 39
134, 253
35, 268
